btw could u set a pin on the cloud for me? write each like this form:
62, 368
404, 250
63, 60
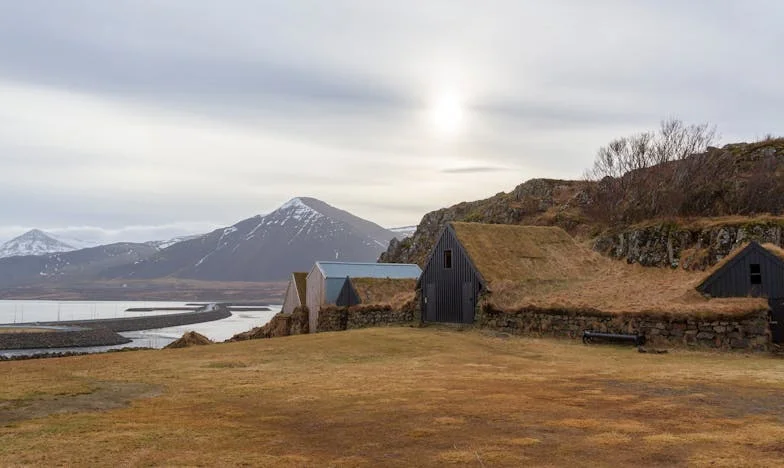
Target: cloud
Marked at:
125, 113
473, 170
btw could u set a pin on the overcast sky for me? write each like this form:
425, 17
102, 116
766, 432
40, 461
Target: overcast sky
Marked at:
138, 120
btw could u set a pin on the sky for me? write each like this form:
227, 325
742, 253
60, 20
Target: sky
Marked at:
137, 120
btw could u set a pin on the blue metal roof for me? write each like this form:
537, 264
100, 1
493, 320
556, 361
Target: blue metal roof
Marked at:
369, 270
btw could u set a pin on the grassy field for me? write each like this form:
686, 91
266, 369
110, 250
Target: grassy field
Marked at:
394, 397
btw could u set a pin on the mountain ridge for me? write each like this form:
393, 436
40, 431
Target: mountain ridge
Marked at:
266, 247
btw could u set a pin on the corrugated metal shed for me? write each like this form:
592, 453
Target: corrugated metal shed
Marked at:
369, 270
326, 280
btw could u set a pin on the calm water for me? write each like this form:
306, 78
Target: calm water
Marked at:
52, 311
218, 330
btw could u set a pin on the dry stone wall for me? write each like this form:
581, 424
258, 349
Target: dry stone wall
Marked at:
748, 332
363, 316
692, 248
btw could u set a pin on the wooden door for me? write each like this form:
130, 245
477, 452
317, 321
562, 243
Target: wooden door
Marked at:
777, 320
430, 302
468, 303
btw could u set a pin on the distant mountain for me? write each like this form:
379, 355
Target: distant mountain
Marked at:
162, 244
33, 242
268, 247
83, 264
404, 231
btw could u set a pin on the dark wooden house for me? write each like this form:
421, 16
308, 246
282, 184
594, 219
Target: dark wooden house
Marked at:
469, 257
752, 271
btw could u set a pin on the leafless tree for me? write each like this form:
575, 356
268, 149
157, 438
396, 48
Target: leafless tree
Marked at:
673, 141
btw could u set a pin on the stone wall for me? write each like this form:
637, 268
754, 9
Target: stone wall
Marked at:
692, 248
747, 332
362, 316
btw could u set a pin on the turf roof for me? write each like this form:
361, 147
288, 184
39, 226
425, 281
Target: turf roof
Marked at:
300, 282
384, 290
537, 266
522, 253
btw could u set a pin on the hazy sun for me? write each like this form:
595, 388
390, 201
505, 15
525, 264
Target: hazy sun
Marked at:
447, 114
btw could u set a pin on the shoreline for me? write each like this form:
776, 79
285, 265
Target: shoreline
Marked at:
103, 332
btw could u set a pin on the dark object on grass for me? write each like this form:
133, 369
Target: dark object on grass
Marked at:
590, 337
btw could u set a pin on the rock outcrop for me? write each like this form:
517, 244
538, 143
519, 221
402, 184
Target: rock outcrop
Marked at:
189, 339
692, 247
739, 187
537, 202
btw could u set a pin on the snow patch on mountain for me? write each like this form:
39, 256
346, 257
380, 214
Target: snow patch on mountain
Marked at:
162, 244
33, 242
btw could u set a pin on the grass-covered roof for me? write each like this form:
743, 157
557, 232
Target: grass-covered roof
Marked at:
536, 266
300, 282
395, 292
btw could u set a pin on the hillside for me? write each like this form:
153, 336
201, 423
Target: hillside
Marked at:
266, 248
33, 242
78, 265
649, 216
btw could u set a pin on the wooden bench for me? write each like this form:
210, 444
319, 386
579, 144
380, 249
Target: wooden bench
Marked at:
596, 337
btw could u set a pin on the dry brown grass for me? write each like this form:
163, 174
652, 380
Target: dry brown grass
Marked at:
617, 287
524, 253
543, 267
385, 291
712, 222
398, 397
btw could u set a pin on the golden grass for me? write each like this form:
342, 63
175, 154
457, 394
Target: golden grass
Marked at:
623, 289
718, 221
401, 397
543, 267
524, 253
385, 291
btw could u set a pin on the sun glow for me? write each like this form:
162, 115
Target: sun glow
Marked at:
447, 114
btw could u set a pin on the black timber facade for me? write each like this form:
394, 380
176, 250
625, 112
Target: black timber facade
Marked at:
752, 272
450, 284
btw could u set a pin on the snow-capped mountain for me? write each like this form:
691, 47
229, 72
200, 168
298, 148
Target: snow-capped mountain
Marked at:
162, 244
33, 242
404, 231
76, 265
267, 247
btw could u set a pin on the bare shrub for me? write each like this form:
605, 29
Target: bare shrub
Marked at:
673, 141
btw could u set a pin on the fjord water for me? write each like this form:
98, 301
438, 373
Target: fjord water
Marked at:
55, 311
49, 311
